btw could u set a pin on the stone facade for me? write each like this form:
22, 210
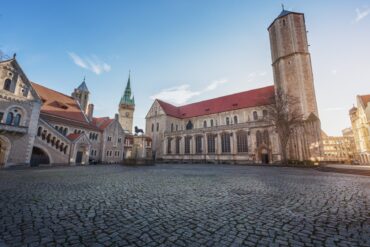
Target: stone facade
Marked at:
41, 126
360, 120
231, 129
292, 69
339, 149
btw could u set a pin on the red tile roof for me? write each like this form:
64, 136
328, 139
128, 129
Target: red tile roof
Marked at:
251, 98
58, 104
102, 122
365, 99
73, 136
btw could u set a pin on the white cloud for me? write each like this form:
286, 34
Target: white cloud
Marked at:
182, 94
91, 63
361, 14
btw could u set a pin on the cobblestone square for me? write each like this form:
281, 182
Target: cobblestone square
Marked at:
183, 205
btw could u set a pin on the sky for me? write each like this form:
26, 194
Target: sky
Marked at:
184, 51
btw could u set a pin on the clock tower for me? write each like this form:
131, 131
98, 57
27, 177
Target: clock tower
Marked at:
126, 108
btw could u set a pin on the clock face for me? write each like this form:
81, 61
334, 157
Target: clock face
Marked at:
127, 114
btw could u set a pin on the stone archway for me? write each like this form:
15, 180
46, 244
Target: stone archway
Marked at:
82, 154
5, 146
39, 156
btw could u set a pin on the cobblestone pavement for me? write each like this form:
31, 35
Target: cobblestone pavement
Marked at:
183, 205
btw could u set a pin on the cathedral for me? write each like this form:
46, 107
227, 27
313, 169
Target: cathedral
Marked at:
39, 125
236, 128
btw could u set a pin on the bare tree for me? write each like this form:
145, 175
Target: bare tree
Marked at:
286, 117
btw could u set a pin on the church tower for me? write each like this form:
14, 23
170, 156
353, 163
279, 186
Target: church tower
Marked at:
126, 108
82, 95
292, 70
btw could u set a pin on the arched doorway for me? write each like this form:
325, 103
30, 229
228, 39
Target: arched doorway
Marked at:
264, 154
4, 150
39, 156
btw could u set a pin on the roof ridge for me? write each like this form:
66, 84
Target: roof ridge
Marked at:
227, 95
32, 82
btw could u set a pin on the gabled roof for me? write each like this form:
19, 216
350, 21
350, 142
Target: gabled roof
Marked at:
252, 98
60, 105
102, 123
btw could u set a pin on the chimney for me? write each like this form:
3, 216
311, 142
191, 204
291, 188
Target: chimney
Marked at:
90, 112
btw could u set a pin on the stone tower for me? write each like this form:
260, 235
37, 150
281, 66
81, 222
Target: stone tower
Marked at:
82, 95
292, 69
126, 108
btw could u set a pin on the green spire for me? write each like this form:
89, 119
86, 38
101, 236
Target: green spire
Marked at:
126, 99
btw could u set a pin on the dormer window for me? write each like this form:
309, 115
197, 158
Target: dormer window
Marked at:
7, 84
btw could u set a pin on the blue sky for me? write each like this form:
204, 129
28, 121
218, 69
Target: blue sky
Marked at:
184, 51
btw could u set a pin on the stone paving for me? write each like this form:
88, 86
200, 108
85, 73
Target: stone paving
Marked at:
183, 205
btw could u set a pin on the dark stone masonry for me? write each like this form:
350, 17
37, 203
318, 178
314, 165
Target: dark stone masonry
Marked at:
183, 205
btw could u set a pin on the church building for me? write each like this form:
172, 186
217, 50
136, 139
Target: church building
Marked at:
236, 128
39, 125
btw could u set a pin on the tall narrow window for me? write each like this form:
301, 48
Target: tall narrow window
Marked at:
227, 121
211, 143
255, 115
9, 118
198, 144
169, 145
178, 145
258, 138
266, 138
235, 119
205, 124
264, 113
211, 122
157, 126
242, 141
225, 143
172, 127
1, 116
17, 119
152, 127
39, 130
7, 84
187, 144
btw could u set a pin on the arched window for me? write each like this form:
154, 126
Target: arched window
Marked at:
152, 127
61, 147
198, 144
65, 131
61, 129
211, 122
235, 119
53, 141
65, 149
7, 84
43, 135
242, 141
255, 115
90, 136
258, 138
157, 126
9, 118
205, 124
39, 130
227, 121
48, 138
57, 144
178, 139
225, 143
169, 149
177, 127
17, 119
264, 113
172, 127
211, 143
187, 144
